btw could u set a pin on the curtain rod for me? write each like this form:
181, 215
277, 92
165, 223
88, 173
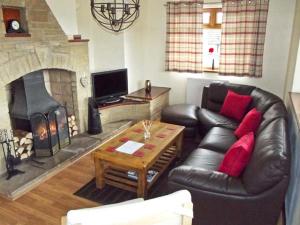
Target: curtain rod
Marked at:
207, 3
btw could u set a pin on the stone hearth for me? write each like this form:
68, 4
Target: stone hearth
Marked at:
41, 169
47, 47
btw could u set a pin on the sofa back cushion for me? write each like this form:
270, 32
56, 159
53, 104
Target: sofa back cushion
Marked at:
270, 159
274, 112
217, 92
263, 100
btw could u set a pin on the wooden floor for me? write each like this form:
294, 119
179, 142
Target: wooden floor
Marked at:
46, 204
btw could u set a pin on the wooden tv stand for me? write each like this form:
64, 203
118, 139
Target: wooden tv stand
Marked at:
136, 106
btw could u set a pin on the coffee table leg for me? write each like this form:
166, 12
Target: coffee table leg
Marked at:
142, 184
99, 173
179, 145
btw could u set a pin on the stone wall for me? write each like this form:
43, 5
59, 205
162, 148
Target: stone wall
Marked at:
46, 48
63, 88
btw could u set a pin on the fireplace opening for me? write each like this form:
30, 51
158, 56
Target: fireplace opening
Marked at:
34, 110
50, 131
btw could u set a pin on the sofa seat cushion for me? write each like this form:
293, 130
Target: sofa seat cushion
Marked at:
209, 119
180, 114
205, 159
218, 139
200, 171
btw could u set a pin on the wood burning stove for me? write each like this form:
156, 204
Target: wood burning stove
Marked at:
50, 131
34, 110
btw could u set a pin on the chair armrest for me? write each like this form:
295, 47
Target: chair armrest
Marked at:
64, 220
187, 220
206, 180
162, 210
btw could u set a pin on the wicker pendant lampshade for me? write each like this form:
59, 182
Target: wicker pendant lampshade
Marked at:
115, 15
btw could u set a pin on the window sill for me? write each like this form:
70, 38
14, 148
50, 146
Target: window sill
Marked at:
208, 70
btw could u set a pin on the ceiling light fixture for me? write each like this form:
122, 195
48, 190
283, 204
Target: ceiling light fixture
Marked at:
115, 15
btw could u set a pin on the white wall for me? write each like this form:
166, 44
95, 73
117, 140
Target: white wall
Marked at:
64, 11
296, 83
142, 47
134, 50
152, 36
106, 49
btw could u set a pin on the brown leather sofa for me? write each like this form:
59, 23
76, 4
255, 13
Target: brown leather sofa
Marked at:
255, 198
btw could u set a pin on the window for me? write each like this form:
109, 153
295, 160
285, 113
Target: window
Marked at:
212, 20
195, 33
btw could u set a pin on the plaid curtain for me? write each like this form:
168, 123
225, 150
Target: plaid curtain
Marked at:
184, 36
243, 36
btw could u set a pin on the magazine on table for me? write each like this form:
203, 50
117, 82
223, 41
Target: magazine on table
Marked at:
150, 175
130, 147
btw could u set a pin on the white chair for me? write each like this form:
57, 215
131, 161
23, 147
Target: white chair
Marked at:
172, 209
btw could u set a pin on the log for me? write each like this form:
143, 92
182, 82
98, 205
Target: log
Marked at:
29, 147
29, 153
28, 141
16, 139
73, 118
24, 156
22, 141
20, 150
74, 133
73, 123
29, 136
75, 128
70, 131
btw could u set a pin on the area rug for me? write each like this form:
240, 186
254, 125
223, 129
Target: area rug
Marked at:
110, 194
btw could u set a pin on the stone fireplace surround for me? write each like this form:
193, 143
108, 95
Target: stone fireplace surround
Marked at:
46, 48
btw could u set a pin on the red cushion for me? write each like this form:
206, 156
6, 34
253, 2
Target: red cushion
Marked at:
238, 156
235, 105
250, 123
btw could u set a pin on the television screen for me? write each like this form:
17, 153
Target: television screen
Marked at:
109, 84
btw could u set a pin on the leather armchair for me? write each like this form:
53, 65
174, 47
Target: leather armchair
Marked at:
255, 198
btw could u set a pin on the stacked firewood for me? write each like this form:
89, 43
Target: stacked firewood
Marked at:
73, 128
23, 142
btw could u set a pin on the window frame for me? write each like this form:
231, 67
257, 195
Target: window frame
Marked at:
213, 18
212, 25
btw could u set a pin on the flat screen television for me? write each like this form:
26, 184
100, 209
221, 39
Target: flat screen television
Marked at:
109, 85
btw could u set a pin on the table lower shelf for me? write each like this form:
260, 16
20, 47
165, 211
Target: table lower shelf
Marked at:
119, 178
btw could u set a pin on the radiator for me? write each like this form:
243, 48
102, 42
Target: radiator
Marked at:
194, 89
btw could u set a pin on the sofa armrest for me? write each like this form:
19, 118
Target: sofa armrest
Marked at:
206, 180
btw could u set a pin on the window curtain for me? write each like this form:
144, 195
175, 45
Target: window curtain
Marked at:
184, 36
243, 36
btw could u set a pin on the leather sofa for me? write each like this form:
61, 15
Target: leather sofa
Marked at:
257, 196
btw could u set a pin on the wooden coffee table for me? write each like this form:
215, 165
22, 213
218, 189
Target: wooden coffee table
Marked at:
159, 151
